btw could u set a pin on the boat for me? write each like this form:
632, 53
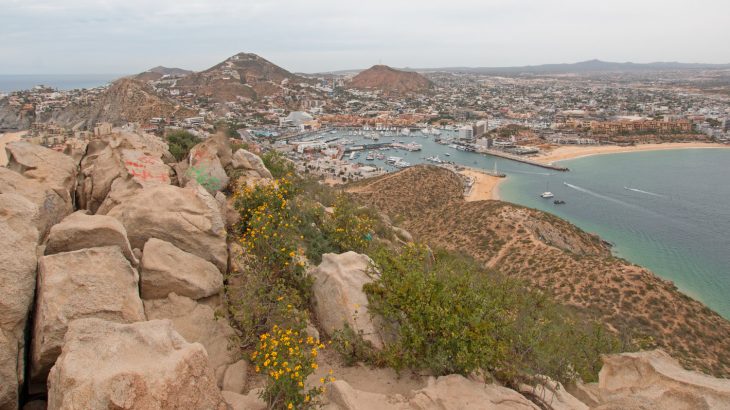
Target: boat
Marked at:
447, 154
496, 173
547, 194
352, 155
559, 202
370, 156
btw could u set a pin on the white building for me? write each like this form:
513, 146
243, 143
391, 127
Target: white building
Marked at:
466, 133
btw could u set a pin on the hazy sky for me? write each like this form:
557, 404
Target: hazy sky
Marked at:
128, 36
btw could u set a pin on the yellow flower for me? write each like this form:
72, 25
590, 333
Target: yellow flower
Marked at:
321, 380
290, 406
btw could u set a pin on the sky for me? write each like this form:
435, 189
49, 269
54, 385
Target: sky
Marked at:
130, 36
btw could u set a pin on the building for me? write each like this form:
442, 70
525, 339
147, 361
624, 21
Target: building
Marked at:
466, 133
480, 128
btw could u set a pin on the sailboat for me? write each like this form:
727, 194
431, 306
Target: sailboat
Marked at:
496, 173
547, 194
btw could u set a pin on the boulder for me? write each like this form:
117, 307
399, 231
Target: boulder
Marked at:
655, 377
109, 175
247, 161
166, 269
197, 323
51, 168
234, 378
339, 298
144, 365
81, 230
95, 282
52, 208
250, 401
452, 392
206, 167
9, 382
552, 395
76, 149
189, 218
18, 243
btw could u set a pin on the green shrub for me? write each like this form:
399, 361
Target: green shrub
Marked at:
277, 164
180, 142
450, 316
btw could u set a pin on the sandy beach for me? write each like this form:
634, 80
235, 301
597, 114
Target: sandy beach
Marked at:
577, 151
485, 186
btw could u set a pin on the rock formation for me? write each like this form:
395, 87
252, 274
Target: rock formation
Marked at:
145, 365
390, 80
94, 282
339, 298
166, 269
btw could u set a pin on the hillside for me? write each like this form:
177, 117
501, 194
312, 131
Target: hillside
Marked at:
156, 73
390, 80
553, 255
242, 75
126, 100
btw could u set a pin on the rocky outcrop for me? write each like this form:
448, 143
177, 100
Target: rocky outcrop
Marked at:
53, 169
52, 208
81, 230
189, 218
145, 365
197, 323
631, 380
206, 164
18, 241
234, 378
95, 282
338, 296
114, 168
166, 269
250, 401
452, 392
251, 164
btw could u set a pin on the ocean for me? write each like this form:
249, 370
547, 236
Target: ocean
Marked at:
13, 82
668, 211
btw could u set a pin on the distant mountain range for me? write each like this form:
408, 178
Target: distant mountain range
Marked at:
590, 66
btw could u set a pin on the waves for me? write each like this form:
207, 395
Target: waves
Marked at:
600, 196
644, 192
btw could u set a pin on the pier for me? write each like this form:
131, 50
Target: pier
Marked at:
523, 160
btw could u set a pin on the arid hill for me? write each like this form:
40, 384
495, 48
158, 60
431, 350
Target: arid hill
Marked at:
554, 255
390, 80
243, 75
126, 100
156, 73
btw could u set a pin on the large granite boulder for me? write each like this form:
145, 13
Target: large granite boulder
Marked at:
51, 168
456, 392
189, 218
197, 322
95, 282
247, 161
52, 208
18, 242
338, 296
9, 382
655, 377
144, 365
166, 269
111, 174
206, 167
452, 392
81, 230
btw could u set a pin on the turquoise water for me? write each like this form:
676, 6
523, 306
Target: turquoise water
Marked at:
666, 210
674, 218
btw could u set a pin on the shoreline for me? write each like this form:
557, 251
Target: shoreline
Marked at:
565, 153
485, 188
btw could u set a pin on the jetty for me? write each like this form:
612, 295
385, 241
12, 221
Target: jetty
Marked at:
518, 158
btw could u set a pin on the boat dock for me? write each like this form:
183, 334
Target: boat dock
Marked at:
523, 160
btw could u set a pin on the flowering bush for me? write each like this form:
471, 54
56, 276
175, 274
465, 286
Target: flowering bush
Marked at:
348, 228
287, 358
